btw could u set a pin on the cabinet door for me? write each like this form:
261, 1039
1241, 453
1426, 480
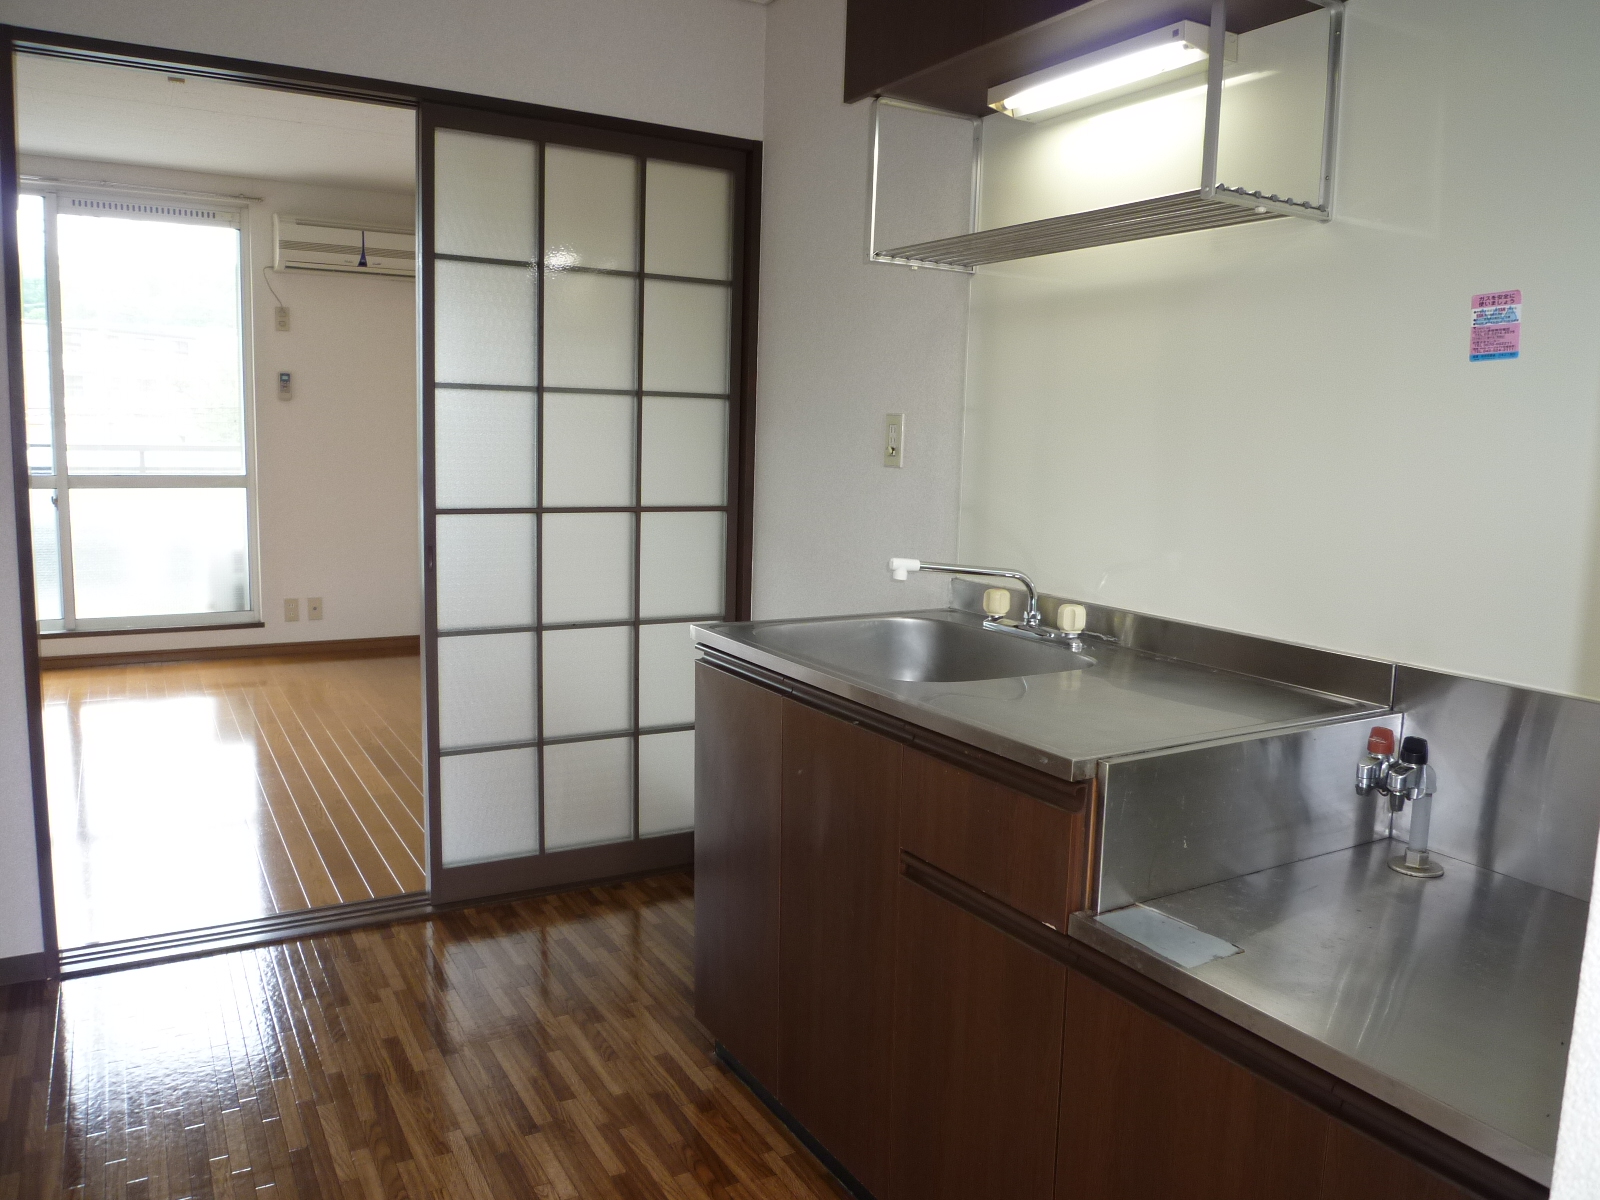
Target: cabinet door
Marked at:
738, 780
1147, 1110
836, 965
977, 1058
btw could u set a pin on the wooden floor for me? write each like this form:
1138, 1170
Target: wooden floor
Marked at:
191, 794
538, 1049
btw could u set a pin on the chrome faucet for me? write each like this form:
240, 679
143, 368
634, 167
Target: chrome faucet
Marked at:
900, 568
1069, 618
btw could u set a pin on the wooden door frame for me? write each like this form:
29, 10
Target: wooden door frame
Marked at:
741, 434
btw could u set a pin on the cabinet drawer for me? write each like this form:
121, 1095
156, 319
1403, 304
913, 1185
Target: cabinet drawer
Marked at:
1024, 852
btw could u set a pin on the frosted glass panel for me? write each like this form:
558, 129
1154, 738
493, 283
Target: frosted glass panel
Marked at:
589, 330
485, 689
588, 567
688, 225
588, 450
685, 451
666, 783
588, 793
140, 552
489, 805
483, 195
483, 323
485, 570
590, 202
666, 675
588, 681
483, 447
685, 337
680, 564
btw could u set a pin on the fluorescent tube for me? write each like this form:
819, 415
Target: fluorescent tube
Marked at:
1127, 67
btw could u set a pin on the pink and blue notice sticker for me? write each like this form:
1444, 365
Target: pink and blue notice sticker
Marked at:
1496, 326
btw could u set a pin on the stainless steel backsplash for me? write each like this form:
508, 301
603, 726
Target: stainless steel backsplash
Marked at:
1518, 771
1181, 819
1519, 776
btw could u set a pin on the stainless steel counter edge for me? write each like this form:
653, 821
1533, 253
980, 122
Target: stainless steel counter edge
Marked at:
1465, 1129
1072, 769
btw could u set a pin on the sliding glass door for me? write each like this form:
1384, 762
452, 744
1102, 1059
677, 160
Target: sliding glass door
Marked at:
137, 411
583, 303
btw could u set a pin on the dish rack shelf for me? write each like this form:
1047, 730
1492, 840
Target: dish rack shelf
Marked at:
1213, 205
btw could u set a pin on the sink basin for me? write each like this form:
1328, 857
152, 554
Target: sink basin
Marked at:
917, 649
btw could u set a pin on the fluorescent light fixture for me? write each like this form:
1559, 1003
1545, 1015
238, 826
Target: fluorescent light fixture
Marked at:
1119, 70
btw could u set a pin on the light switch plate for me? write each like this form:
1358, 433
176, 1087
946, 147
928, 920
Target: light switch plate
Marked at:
894, 440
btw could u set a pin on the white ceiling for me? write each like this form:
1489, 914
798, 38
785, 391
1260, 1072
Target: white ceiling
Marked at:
123, 115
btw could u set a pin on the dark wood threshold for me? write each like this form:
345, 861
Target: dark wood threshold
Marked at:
561, 870
384, 647
54, 635
266, 931
120, 955
25, 968
1383, 1123
1052, 789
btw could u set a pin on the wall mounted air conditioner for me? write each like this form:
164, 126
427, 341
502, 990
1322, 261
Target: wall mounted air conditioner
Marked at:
307, 244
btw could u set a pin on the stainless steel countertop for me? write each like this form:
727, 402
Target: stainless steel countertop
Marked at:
1129, 702
1451, 999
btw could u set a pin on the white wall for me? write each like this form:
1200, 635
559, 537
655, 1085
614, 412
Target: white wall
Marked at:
1276, 429
692, 63
1577, 1167
843, 342
336, 465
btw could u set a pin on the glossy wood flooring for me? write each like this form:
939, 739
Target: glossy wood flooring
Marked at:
540, 1049
184, 795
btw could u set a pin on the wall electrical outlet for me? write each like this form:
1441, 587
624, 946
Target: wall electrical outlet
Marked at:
314, 609
291, 610
894, 441
280, 319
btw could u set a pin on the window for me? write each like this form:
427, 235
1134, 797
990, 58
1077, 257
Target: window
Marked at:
137, 411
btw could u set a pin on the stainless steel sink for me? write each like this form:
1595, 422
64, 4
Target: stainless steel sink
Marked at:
916, 649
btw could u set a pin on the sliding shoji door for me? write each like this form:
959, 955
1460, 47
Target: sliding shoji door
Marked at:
583, 302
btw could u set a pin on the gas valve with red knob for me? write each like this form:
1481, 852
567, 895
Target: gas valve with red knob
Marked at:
1374, 765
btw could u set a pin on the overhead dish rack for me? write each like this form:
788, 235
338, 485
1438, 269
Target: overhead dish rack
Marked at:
1212, 205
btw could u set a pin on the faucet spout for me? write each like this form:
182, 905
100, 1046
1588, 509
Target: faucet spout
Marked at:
900, 568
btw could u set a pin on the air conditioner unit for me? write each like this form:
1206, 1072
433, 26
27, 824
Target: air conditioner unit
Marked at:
307, 244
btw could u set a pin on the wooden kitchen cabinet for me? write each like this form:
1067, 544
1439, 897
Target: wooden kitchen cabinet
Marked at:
977, 1057
738, 787
1029, 853
836, 940
1147, 1110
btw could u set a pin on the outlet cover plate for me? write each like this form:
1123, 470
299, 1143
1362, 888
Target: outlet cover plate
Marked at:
894, 440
